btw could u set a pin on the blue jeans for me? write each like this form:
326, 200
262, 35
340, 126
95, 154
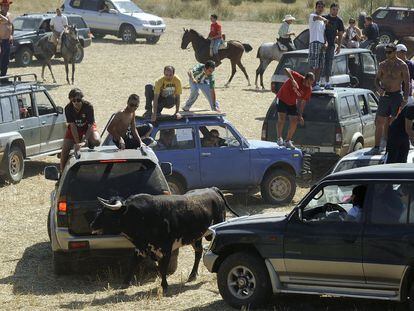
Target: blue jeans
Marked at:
195, 91
4, 56
329, 56
215, 44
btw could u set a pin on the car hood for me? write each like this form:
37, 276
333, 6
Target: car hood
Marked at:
145, 17
23, 33
268, 147
272, 219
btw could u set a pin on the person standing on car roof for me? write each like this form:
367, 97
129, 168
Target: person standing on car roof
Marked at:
125, 133
165, 94
402, 54
334, 29
81, 129
292, 97
317, 41
285, 32
370, 32
392, 76
6, 36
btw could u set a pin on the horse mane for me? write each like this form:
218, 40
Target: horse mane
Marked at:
198, 35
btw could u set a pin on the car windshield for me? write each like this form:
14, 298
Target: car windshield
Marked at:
297, 62
88, 181
321, 108
127, 7
349, 164
26, 23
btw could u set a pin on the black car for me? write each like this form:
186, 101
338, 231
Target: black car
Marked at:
30, 28
351, 236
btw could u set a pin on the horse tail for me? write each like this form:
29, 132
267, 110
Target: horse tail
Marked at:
247, 47
258, 52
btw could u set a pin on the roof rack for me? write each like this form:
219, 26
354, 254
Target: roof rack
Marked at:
185, 115
17, 79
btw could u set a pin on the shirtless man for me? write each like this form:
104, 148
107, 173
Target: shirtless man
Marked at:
125, 134
392, 77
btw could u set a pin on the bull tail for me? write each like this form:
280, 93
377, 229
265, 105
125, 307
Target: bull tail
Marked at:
226, 203
247, 47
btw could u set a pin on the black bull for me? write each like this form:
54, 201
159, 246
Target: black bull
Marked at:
160, 224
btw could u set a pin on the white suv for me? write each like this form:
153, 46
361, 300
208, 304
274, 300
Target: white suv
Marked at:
121, 18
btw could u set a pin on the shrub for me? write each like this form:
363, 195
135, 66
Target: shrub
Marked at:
214, 3
235, 2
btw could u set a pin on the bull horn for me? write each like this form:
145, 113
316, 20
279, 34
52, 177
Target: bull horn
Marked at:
113, 207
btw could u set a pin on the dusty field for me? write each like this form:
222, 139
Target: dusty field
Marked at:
110, 72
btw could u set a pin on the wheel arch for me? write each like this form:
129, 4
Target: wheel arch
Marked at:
406, 282
28, 44
234, 248
358, 137
124, 24
279, 165
180, 177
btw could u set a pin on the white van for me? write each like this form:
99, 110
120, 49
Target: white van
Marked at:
122, 18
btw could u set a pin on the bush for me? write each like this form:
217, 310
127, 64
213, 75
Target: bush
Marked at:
235, 2
288, 1
214, 3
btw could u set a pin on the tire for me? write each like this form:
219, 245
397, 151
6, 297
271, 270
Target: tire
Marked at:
15, 165
386, 37
175, 184
61, 263
153, 39
49, 231
24, 56
80, 54
128, 34
172, 267
253, 281
358, 145
278, 187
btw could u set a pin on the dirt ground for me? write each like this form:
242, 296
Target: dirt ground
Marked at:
110, 72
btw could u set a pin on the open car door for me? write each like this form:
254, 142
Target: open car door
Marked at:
302, 40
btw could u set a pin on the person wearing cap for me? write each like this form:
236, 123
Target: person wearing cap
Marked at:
81, 129
392, 76
165, 94
402, 54
202, 78
334, 29
352, 35
58, 24
6, 36
285, 32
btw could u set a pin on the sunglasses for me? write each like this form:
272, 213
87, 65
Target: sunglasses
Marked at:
77, 100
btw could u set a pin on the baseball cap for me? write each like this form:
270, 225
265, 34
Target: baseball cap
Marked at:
401, 47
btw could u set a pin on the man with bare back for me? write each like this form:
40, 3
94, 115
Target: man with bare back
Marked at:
392, 77
125, 133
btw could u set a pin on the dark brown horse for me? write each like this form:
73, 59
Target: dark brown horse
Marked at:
201, 46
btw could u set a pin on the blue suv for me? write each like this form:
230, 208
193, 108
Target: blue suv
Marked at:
206, 150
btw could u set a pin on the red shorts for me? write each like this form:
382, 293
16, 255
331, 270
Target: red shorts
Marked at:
81, 131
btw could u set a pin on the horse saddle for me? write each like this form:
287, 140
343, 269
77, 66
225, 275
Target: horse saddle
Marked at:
223, 45
281, 46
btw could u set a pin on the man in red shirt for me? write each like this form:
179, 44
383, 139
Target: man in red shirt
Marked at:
215, 35
292, 96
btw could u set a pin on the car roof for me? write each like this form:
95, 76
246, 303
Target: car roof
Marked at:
398, 171
112, 153
341, 91
21, 85
342, 52
193, 118
45, 15
399, 8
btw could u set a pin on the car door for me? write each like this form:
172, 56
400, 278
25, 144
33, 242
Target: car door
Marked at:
369, 71
178, 146
368, 120
225, 164
89, 12
350, 120
388, 242
109, 21
322, 247
52, 125
28, 122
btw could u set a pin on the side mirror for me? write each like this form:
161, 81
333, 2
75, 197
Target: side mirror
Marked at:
59, 110
51, 173
41, 31
112, 11
166, 168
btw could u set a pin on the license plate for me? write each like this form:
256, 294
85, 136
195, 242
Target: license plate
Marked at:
157, 30
309, 149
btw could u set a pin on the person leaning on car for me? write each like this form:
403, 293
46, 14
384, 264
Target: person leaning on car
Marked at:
81, 129
371, 33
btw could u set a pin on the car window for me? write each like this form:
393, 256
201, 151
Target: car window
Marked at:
174, 139
354, 64
321, 108
109, 4
20, 23
44, 106
339, 65
372, 102
363, 105
344, 108
368, 63
400, 15
77, 21
217, 137
390, 202
348, 164
6, 109
381, 14
76, 4
299, 63
352, 105
91, 5
24, 102
336, 203
127, 7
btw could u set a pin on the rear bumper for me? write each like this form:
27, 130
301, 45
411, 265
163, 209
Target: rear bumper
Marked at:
209, 259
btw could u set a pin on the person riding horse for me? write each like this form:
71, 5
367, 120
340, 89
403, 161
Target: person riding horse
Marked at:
58, 24
215, 36
285, 33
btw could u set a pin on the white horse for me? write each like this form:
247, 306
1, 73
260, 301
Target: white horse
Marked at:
271, 51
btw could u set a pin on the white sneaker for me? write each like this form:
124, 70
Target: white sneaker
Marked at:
280, 142
289, 144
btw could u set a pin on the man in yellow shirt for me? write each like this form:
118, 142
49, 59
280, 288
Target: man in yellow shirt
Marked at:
165, 94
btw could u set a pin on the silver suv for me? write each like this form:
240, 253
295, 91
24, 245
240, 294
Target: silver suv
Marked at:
103, 172
122, 18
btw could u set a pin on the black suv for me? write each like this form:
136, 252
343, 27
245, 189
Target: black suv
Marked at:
30, 28
326, 245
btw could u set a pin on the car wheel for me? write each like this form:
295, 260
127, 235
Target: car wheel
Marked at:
61, 263
153, 39
175, 184
358, 146
243, 280
386, 37
49, 231
172, 267
80, 53
278, 187
15, 165
24, 56
128, 34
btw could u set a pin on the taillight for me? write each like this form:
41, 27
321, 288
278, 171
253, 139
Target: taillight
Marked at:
78, 245
62, 212
338, 136
90, 35
166, 192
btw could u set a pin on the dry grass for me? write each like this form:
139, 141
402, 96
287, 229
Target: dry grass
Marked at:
110, 72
